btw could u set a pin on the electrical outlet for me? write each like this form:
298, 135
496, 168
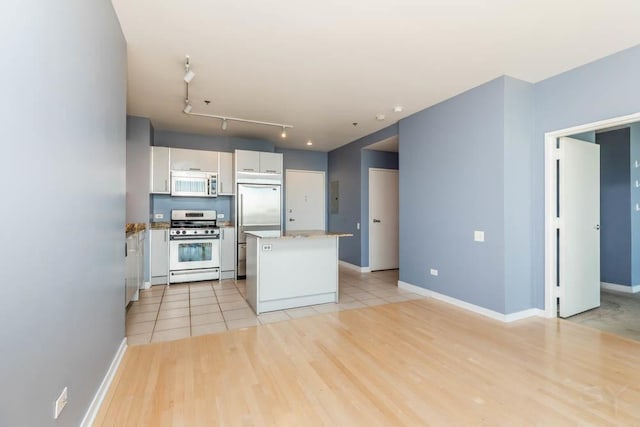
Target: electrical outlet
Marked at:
61, 402
357, 226
158, 216
266, 247
220, 216
433, 272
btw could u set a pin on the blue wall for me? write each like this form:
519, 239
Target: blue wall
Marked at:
452, 183
345, 167
603, 89
370, 159
64, 131
164, 204
634, 140
209, 142
615, 215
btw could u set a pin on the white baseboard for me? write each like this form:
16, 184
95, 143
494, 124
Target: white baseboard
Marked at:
355, 267
532, 312
146, 285
98, 398
620, 288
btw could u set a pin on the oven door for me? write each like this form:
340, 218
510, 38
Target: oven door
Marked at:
189, 254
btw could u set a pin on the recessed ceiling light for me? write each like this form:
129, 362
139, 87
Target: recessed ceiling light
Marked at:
309, 143
397, 109
380, 117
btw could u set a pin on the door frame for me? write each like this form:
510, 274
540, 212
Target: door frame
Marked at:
324, 192
370, 219
550, 198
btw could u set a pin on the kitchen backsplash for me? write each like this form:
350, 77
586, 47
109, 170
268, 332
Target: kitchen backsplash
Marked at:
163, 204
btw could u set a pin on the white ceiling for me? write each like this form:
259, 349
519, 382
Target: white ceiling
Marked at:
321, 66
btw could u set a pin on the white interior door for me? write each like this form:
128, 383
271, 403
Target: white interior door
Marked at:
579, 213
305, 200
383, 219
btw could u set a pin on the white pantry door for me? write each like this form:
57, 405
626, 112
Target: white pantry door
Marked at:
579, 214
383, 219
305, 202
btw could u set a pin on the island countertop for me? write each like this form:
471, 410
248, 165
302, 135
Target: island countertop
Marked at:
298, 234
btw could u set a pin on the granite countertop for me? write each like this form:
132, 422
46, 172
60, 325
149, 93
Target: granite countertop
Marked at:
160, 225
225, 224
134, 227
300, 234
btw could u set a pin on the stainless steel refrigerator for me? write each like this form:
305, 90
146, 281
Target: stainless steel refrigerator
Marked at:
258, 208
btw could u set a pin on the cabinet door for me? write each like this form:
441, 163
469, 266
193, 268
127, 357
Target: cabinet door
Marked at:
160, 170
271, 163
198, 160
247, 161
227, 248
226, 177
159, 256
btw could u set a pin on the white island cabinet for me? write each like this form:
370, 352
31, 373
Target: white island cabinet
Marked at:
291, 270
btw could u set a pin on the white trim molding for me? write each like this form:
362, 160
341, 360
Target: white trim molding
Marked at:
98, 398
354, 267
146, 285
620, 288
506, 318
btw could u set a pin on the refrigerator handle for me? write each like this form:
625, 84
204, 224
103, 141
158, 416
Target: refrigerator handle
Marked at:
240, 213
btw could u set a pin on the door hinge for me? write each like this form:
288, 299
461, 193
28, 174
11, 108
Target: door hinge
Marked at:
557, 153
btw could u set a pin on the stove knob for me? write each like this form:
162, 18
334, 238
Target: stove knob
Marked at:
206, 231
184, 231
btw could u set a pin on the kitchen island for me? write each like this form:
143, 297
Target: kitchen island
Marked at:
292, 269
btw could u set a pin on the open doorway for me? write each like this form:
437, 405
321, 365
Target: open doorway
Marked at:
618, 255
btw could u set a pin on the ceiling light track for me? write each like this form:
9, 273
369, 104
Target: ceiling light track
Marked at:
189, 75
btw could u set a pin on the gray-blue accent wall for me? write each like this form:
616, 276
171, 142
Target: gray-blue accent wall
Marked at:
345, 166
615, 215
64, 129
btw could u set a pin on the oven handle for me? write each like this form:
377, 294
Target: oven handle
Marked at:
209, 237
183, 272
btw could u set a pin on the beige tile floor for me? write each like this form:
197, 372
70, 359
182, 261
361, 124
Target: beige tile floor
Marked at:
165, 313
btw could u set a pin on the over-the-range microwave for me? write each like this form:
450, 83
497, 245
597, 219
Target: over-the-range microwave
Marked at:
194, 184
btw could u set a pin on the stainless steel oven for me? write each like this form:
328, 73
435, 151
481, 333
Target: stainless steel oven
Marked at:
194, 246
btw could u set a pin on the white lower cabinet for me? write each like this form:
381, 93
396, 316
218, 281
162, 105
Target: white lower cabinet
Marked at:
134, 266
227, 250
159, 257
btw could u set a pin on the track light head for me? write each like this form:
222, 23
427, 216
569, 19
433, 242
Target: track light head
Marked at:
224, 124
187, 108
188, 76
284, 132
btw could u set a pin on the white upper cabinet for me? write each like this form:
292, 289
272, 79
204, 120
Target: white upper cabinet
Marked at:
271, 163
257, 161
247, 161
226, 176
160, 170
197, 160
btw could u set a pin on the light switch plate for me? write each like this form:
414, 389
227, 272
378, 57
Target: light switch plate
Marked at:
158, 216
478, 236
433, 272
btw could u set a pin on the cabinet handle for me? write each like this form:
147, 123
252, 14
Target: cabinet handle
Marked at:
223, 234
194, 169
165, 235
221, 186
271, 171
165, 185
249, 169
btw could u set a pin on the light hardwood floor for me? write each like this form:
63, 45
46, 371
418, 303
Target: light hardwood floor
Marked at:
419, 362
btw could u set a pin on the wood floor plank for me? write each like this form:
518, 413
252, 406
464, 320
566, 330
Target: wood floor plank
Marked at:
420, 362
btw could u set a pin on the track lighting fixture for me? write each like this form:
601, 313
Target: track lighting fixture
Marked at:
189, 75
